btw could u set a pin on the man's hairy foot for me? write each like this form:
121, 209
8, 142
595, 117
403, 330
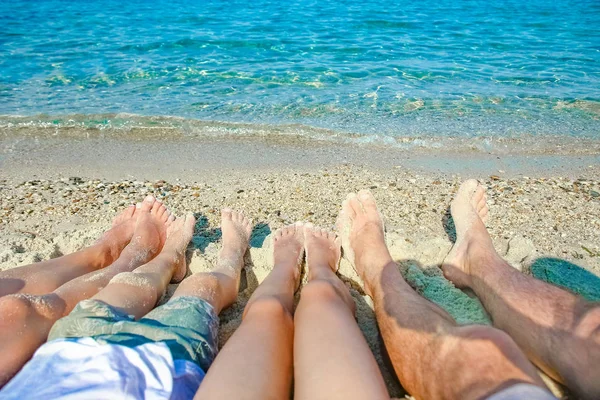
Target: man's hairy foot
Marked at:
236, 230
150, 230
179, 234
323, 249
288, 249
469, 212
361, 229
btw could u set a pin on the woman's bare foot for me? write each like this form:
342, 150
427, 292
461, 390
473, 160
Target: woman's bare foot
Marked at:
361, 229
323, 249
236, 230
179, 234
288, 250
469, 212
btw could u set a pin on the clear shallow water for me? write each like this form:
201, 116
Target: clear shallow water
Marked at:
393, 68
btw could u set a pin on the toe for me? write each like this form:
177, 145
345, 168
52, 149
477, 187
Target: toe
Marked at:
190, 221
331, 236
171, 218
483, 214
277, 235
226, 213
288, 230
347, 211
162, 212
165, 215
147, 204
367, 200
354, 204
128, 213
156, 207
478, 195
469, 185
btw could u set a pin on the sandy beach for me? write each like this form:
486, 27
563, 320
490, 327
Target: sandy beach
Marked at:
545, 222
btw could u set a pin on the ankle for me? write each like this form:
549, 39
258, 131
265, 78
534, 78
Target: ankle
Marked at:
373, 267
480, 260
102, 254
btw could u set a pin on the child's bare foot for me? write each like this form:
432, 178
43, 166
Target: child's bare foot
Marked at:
179, 234
236, 230
288, 250
469, 212
323, 249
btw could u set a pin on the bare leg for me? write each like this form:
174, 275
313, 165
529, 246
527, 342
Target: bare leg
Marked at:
26, 319
256, 362
432, 356
331, 357
45, 276
136, 293
559, 331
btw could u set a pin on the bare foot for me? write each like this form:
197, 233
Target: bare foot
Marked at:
115, 239
323, 249
150, 230
323, 253
469, 212
236, 230
179, 234
361, 229
288, 249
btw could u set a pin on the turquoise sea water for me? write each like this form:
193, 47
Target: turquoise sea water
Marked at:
388, 68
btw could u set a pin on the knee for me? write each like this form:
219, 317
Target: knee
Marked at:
19, 307
268, 307
319, 291
15, 307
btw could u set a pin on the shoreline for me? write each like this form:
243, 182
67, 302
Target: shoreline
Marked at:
37, 153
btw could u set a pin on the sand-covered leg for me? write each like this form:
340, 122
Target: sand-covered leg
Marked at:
136, 293
45, 276
432, 356
331, 357
220, 286
559, 331
27, 319
256, 362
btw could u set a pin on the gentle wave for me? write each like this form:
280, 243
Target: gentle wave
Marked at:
129, 126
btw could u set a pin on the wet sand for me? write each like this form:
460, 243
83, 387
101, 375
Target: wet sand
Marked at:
57, 196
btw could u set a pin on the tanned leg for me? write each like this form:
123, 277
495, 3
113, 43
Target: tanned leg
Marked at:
25, 320
331, 357
44, 277
256, 362
432, 356
560, 332
136, 293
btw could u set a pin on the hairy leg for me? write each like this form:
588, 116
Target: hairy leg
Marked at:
44, 277
256, 362
26, 319
559, 331
432, 356
331, 357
